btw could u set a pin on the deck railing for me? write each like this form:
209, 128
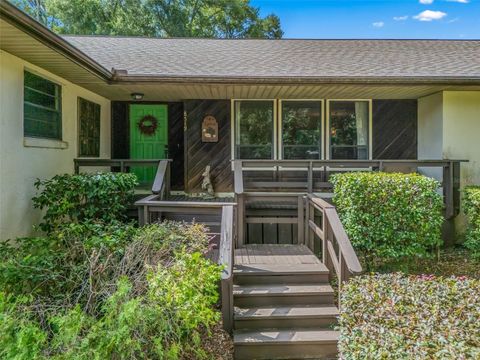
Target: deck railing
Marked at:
338, 254
226, 259
316, 174
161, 182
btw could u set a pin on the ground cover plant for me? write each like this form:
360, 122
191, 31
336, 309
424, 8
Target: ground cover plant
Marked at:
97, 287
471, 207
396, 316
389, 215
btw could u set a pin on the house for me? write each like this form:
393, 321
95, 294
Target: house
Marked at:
277, 108
66, 97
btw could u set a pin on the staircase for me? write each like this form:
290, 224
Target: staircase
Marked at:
283, 304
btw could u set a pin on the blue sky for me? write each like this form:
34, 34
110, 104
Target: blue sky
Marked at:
403, 19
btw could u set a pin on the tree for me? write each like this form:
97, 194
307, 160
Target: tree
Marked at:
35, 8
165, 18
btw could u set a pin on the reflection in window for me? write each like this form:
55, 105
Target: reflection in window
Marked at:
42, 103
254, 130
301, 129
349, 129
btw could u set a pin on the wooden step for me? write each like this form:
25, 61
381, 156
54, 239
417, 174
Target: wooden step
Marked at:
285, 344
301, 316
282, 294
283, 274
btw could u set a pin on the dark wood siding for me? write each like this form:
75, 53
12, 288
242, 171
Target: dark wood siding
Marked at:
200, 154
394, 129
120, 137
120, 130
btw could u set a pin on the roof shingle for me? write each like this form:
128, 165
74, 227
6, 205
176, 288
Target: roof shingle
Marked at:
272, 59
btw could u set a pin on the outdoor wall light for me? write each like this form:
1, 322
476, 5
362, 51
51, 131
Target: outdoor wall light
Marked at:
136, 96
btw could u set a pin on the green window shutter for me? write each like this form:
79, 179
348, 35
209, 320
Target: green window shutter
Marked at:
89, 128
42, 107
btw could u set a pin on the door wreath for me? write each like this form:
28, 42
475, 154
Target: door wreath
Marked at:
148, 125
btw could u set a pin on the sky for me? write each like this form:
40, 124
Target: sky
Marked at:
356, 19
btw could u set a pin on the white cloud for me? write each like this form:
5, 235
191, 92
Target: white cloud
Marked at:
426, 2
460, 1
453, 20
429, 15
378, 24
400, 18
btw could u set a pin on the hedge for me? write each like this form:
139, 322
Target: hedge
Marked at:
394, 316
389, 215
471, 207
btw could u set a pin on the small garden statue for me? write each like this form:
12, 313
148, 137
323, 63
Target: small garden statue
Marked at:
207, 182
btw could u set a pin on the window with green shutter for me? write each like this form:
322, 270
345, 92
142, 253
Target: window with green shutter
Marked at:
89, 128
42, 107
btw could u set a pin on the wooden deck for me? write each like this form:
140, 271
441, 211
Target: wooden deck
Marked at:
275, 254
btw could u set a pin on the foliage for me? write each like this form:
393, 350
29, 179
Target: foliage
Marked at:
389, 215
394, 316
165, 18
84, 197
107, 291
471, 207
161, 324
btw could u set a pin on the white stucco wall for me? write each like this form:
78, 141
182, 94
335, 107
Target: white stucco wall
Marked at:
23, 160
461, 132
430, 132
449, 128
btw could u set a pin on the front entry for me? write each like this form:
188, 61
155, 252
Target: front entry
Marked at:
148, 137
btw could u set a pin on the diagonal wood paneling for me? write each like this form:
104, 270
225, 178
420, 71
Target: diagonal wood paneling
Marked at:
200, 154
394, 129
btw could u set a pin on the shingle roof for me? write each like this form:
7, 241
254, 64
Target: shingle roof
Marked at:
271, 59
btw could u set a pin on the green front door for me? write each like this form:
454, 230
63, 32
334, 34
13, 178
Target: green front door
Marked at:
148, 137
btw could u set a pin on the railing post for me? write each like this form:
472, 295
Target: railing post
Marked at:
301, 219
448, 190
240, 219
311, 236
310, 178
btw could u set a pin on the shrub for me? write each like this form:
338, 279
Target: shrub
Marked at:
107, 291
471, 207
394, 316
84, 197
164, 323
389, 215
81, 263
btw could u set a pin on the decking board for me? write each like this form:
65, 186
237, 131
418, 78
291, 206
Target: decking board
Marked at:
272, 254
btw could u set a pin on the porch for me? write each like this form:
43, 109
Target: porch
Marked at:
281, 243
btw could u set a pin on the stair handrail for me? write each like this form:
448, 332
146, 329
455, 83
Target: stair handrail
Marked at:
225, 259
345, 263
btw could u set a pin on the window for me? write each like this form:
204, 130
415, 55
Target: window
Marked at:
301, 129
254, 129
349, 129
89, 128
42, 103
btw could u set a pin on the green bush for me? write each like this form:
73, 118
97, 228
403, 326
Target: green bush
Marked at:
163, 323
394, 316
84, 197
389, 215
471, 207
108, 292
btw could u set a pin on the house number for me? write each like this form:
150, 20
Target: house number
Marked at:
209, 129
